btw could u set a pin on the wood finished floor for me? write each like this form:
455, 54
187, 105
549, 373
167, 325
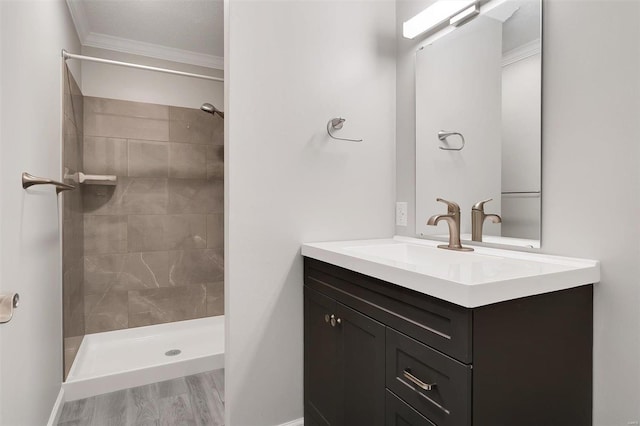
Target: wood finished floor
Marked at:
196, 400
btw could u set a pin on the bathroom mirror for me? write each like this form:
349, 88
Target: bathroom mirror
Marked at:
478, 124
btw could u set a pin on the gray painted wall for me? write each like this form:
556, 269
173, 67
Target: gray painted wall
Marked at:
290, 67
32, 35
590, 178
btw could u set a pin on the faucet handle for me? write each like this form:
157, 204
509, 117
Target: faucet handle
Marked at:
451, 206
480, 204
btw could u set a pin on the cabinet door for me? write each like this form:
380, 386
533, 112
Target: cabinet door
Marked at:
322, 383
363, 366
399, 413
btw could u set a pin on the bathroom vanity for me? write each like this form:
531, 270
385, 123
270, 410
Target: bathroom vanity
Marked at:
398, 332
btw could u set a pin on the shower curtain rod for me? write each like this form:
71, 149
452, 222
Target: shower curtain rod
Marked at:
66, 55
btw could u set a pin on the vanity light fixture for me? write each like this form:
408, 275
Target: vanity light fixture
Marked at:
465, 16
457, 12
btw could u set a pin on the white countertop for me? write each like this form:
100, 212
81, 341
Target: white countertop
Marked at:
468, 279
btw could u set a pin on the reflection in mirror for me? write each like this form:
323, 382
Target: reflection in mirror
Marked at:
478, 124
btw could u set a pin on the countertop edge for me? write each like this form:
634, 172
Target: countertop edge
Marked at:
468, 296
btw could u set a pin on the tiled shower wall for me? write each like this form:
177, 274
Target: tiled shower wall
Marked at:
72, 234
153, 243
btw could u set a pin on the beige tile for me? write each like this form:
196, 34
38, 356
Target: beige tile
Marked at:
128, 108
103, 199
146, 196
148, 159
106, 312
124, 272
187, 161
66, 100
218, 131
215, 298
170, 232
72, 242
215, 162
185, 231
105, 234
146, 233
101, 272
166, 305
196, 266
215, 230
195, 196
71, 144
105, 156
128, 196
117, 126
187, 114
78, 111
73, 300
190, 125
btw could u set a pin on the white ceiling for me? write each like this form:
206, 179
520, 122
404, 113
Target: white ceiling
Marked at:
188, 31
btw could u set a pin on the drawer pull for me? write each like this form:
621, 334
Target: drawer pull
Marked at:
419, 383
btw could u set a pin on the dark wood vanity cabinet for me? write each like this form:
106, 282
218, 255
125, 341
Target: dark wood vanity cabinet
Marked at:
345, 355
379, 354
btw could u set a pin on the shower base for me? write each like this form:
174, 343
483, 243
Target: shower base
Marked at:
115, 360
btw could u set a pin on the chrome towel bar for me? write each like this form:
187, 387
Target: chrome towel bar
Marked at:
30, 180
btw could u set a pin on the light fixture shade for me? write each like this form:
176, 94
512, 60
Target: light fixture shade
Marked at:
434, 15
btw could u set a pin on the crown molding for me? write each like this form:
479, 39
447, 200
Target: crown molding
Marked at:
79, 18
104, 41
522, 52
119, 44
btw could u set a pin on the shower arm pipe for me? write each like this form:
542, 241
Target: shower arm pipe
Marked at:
66, 55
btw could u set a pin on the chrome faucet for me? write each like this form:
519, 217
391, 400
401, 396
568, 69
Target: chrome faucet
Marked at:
478, 217
453, 220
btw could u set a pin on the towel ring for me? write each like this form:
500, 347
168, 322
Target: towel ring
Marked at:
336, 124
444, 134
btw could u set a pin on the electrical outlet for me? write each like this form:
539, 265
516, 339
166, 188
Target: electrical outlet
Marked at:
401, 214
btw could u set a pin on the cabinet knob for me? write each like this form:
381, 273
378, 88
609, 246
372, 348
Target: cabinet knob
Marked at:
335, 321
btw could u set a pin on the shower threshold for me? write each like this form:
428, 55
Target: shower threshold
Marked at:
121, 359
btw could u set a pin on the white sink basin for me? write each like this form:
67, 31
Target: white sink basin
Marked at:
419, 255
469, 279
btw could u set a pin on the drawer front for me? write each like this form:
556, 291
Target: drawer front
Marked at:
435, 322
398, 413
436, 385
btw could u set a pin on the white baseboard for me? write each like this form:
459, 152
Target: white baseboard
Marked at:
56, 411
297, 422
